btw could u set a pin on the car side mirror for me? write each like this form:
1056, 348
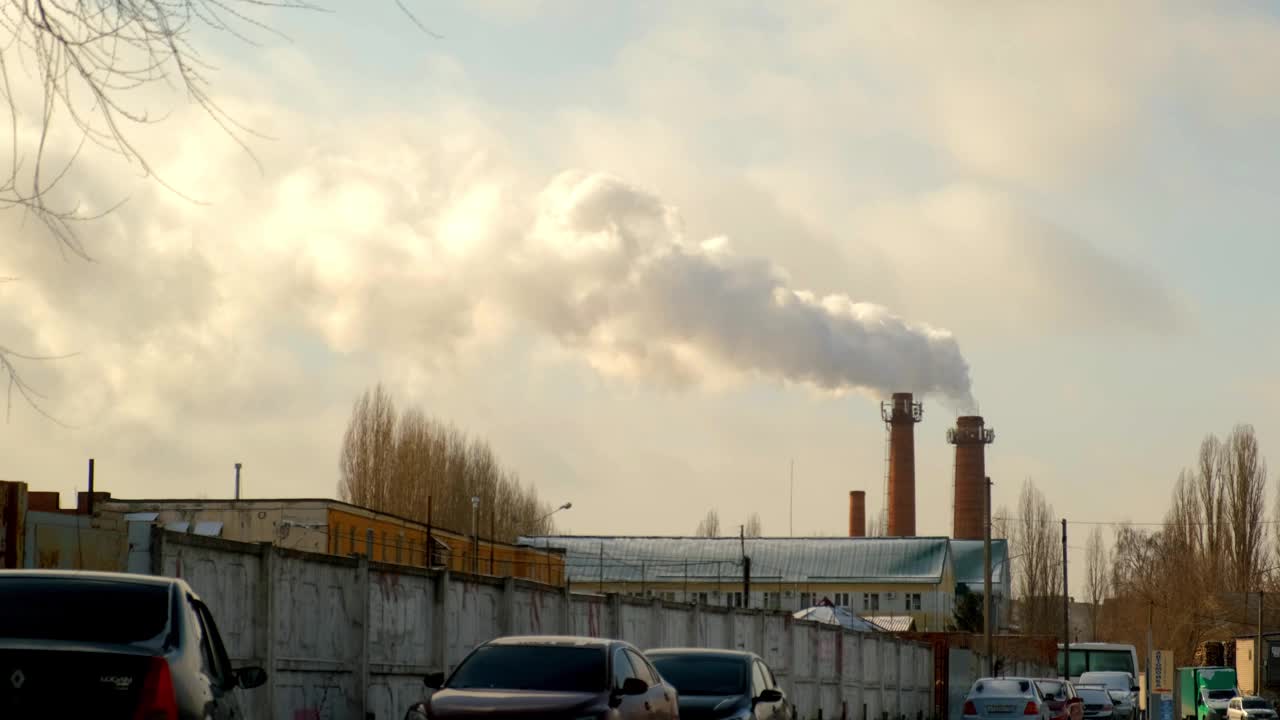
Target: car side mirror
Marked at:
634, 686
433, 681
251, 677
772, 695
1135, 688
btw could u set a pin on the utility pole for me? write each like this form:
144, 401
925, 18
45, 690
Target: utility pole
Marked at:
791, 513
1151, 655
988, 645
1066, 609
601, 567
746, 567
238, 466
1257, 651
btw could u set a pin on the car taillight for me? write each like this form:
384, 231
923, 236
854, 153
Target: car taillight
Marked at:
157, 700
970, 708
1032, 709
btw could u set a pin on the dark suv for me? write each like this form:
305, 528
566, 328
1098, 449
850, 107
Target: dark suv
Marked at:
80, 644
550, 677
723, 684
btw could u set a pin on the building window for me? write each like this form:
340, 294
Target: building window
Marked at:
702, 598
337, 539
915, 601
351, 542
871, 602
804, 600
399, 543
733, 599
842, 599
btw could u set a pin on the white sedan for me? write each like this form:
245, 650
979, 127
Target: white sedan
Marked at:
1250, 708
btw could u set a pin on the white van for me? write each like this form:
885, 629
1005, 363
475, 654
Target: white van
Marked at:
1100, 657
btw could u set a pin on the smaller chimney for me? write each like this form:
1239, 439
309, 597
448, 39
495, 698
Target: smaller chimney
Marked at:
857, 513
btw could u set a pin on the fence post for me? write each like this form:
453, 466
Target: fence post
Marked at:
362, 664
566, 611
615, 622
440, 622
508, 607
266, 627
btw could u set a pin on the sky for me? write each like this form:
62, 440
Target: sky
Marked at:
656, 253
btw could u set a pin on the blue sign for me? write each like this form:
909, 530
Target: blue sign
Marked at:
1166, 707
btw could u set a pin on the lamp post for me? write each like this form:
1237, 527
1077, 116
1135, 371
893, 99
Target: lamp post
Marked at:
538, 523
475, 536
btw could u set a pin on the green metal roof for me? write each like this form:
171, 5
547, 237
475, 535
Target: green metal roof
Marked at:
966, 556
832, 560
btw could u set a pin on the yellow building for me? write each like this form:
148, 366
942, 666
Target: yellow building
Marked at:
872, 577
338, 528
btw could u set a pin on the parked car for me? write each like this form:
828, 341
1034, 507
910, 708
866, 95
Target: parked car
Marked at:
1122, 687
1098, 704
1250, 708
569, 677
113, 645
1064, 702
997, 698
717, 684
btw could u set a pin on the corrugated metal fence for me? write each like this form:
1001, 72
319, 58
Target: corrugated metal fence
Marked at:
342, 637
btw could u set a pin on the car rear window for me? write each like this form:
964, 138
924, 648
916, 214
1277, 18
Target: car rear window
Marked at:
1002, 687
1051, 690
100, 611
702, 674
1094, 696
554, 668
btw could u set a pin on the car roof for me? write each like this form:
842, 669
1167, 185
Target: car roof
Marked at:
703, 652
131, 578
555, 640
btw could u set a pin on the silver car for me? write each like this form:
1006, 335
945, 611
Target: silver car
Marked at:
1005, 698
1250, 708
1098, 704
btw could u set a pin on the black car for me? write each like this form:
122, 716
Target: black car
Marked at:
544, 677
112, 645
723, 684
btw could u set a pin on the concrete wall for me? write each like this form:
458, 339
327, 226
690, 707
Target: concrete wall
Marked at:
341, 636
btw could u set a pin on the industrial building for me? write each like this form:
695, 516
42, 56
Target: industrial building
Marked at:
35, 532
884, 578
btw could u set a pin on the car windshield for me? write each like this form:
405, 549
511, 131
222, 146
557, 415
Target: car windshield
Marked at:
1256, 705
1110, 680
84, 610
703, 675
1220, 694
552, 668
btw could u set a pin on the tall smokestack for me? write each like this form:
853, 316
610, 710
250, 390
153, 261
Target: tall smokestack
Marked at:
857, 513
971, 440
901, 414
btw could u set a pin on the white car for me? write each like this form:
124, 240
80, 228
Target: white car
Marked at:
1250, 708
1004, 699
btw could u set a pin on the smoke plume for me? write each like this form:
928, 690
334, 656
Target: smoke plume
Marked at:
607, 270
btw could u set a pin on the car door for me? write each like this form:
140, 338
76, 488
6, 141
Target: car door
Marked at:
785, 711
659, 700
630, 707
216, 666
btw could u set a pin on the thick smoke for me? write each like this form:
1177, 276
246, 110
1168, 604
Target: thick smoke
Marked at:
606, 269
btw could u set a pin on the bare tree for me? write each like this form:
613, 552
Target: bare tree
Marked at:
1040, 563
86, 68
1245, 497
1212, 521
754, 528
402, 462
1096, 576
709, 526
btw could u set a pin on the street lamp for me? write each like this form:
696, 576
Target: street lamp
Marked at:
475, 536
537, 524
